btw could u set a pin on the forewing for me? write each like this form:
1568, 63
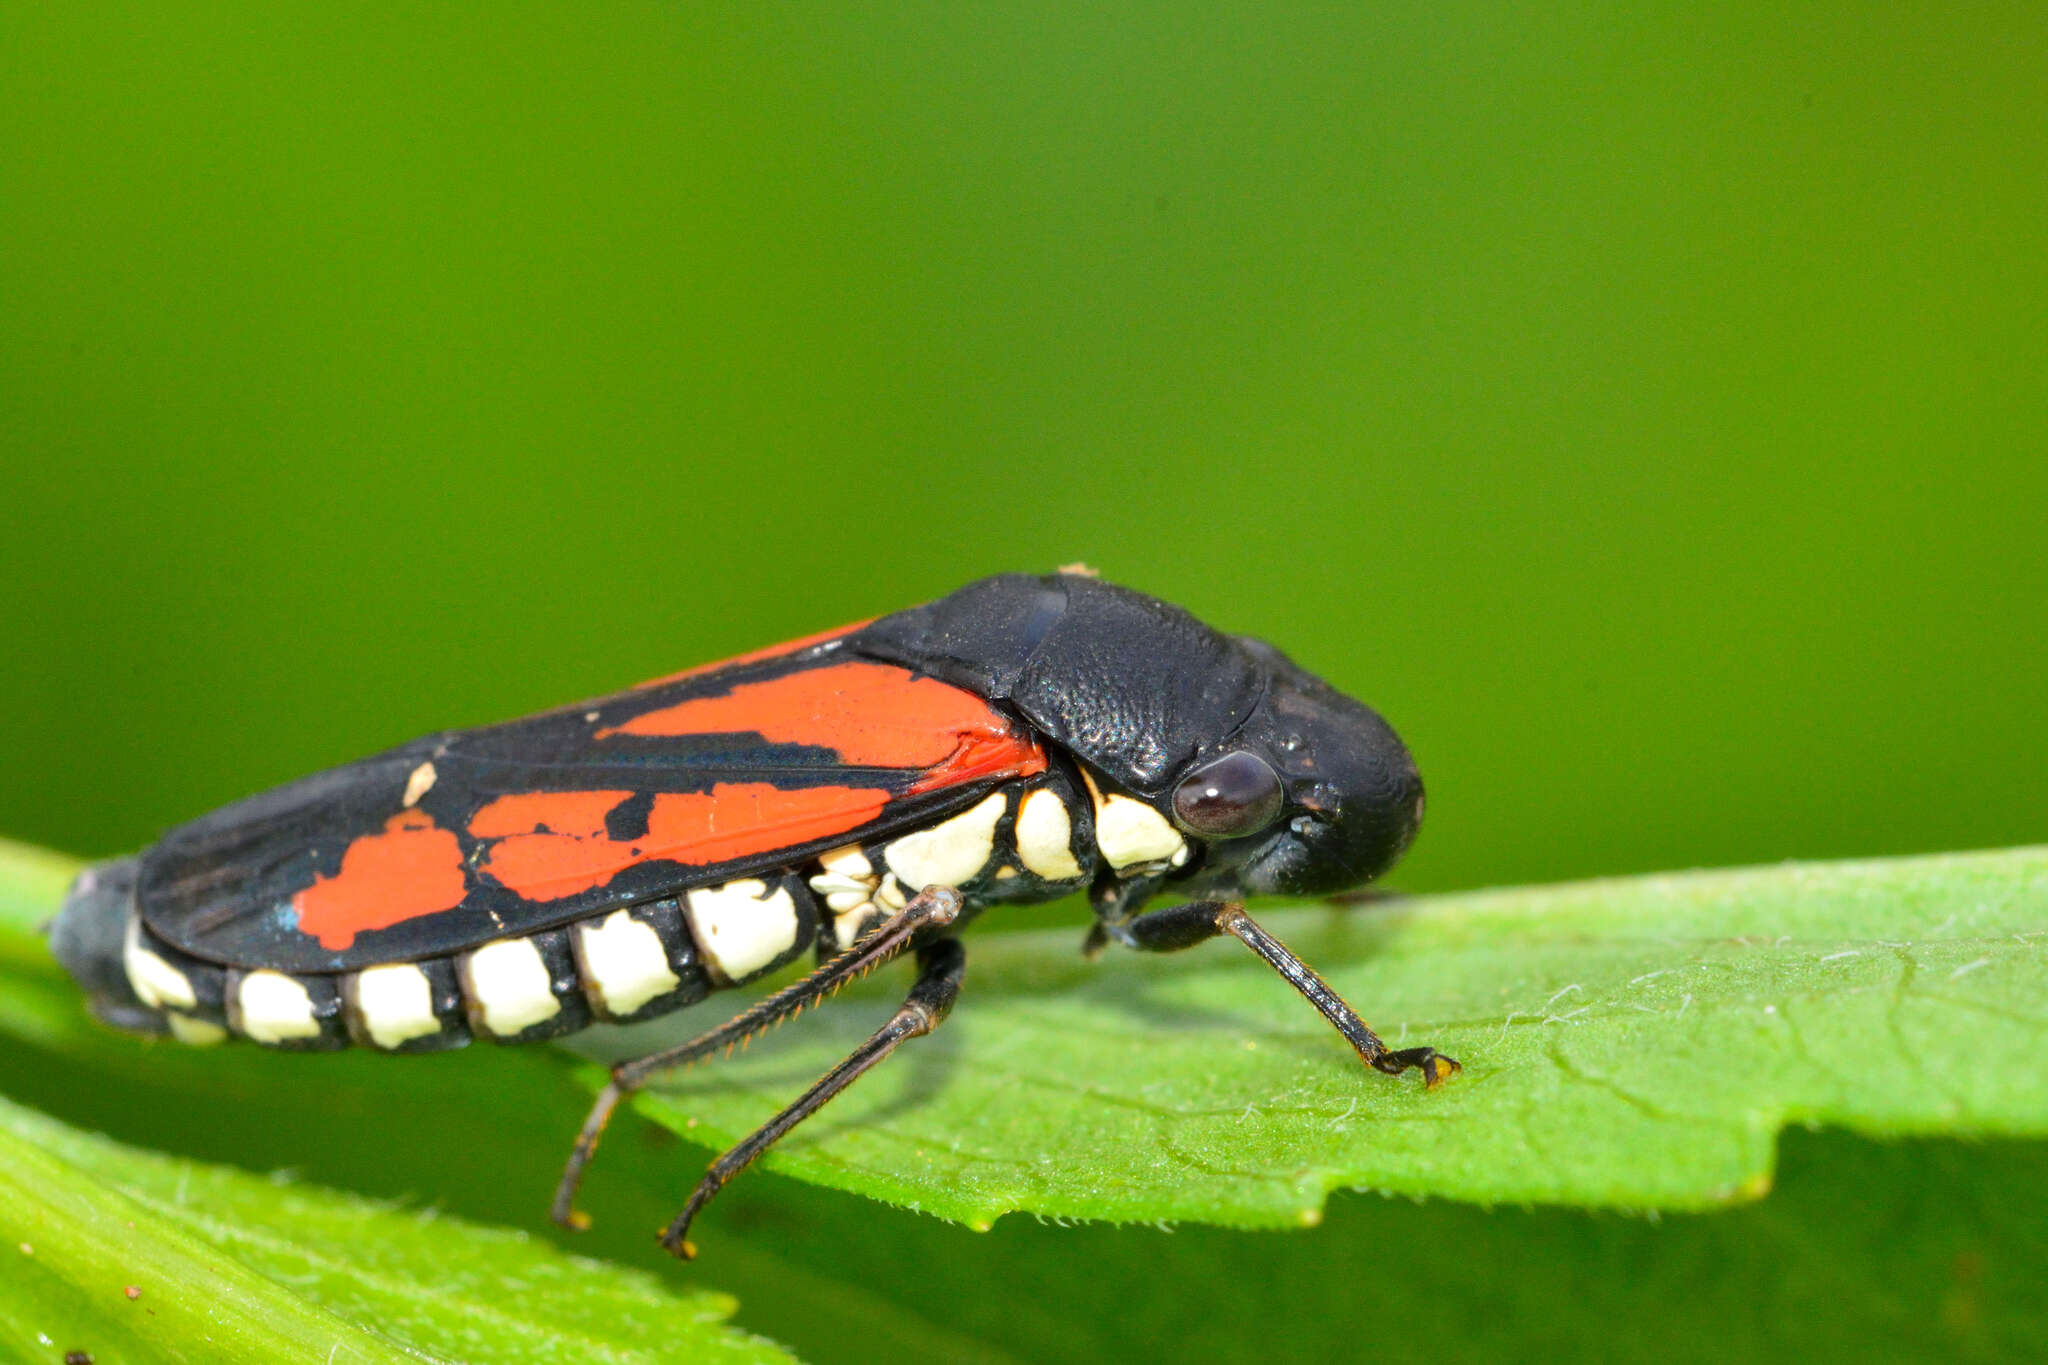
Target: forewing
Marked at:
460, 838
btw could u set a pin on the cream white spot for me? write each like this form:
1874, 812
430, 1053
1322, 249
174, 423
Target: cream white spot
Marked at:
1006, 873
1129, 832
950, 853
156, 983
197, 1032
847, 879
849, 926
741, 927
509, 987
419, 784
890, 894
1045, 835
273, 1008
623, 963
395, 1003
848, 862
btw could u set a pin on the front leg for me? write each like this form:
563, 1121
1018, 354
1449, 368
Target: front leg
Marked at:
1183, 926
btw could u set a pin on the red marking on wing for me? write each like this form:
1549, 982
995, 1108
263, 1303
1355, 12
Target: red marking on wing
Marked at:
732, 820
542, 813
983, 757
870, 714
739, 819
413, 868
755, 656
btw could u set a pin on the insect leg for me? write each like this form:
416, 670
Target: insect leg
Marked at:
934, 906
940, 965
1183, 926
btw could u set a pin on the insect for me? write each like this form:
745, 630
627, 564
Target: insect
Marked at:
862, 793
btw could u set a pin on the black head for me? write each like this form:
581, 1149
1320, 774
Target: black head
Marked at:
1328, 794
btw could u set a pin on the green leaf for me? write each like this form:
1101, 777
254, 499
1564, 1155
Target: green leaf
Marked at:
1632, 1043
133, 1256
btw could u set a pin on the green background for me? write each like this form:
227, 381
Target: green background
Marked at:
1643, 407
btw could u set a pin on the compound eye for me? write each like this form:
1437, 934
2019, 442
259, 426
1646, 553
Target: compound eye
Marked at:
1236, 795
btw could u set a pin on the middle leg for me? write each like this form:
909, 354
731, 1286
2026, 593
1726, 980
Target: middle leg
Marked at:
941, 963
933, 908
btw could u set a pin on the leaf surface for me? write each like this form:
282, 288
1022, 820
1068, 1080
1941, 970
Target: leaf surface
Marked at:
134, 1256
1631, 1043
